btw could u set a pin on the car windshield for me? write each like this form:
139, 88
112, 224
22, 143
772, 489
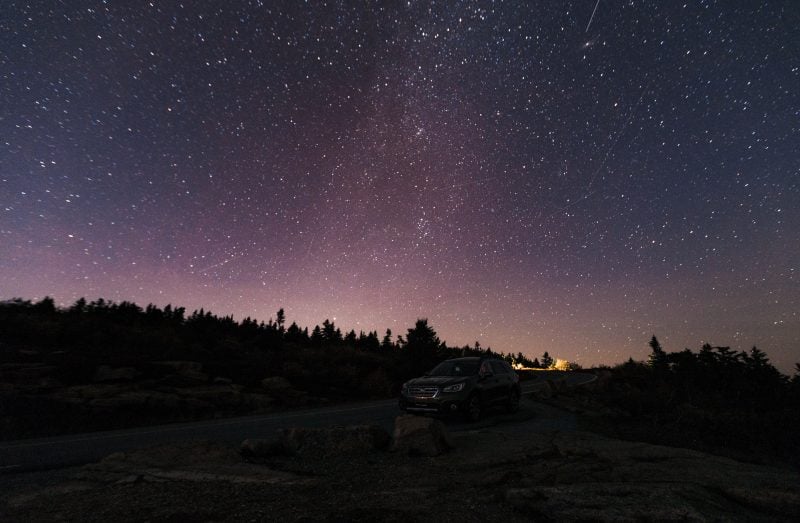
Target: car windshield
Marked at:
455, 368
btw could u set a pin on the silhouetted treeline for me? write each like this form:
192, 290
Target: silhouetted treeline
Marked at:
716, 399
720, 377
79, 338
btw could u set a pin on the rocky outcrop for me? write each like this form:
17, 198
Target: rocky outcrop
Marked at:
588, 477
181, 373
28, 377
104, 373
44, 401
138, 400
491, 475
111, 397
281, 389
337, 440
276, 384
353, 439
420, 436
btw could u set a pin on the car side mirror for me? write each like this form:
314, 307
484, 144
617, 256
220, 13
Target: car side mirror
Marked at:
486, 374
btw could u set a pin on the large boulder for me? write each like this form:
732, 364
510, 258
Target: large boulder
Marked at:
276, 384
420, 436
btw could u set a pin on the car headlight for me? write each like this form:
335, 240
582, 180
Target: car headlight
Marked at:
453, 388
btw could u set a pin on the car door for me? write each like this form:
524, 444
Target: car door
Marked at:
488, 382
502, 381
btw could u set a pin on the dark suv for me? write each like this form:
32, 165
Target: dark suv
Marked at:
463, 385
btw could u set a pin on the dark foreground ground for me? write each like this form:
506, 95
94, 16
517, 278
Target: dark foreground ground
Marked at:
494, 473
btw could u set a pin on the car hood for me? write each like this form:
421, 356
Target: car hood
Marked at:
437, 380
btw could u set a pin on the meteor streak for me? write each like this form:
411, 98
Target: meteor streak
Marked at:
592, 17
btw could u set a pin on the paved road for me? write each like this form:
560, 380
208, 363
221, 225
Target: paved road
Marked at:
77, 449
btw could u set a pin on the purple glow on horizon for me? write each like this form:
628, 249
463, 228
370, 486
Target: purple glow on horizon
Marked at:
493, 168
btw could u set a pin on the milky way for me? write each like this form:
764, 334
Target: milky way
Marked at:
534, 176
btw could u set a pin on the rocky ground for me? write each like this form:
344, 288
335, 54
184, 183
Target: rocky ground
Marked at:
490, 474
39, 405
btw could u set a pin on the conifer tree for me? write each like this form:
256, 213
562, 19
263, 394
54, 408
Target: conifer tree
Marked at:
658, 358
280, 319
316, 336
386, 344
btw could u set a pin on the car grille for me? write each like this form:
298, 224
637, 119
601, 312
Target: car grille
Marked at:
423, 392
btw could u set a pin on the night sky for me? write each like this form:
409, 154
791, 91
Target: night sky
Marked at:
570, 177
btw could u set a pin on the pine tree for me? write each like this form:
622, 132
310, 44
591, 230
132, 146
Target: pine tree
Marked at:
293, 333
316, 336
658, 358
79, 306
757, 359
280, 319
422, 345
329, 332
386, 344
372, 343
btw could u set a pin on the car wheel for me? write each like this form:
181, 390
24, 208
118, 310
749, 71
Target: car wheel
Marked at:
473, 408
513, 401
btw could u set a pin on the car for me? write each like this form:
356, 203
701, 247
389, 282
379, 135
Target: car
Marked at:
466, 386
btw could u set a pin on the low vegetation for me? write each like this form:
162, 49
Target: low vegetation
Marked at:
717, 400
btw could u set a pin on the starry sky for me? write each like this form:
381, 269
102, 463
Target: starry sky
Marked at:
570, 177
